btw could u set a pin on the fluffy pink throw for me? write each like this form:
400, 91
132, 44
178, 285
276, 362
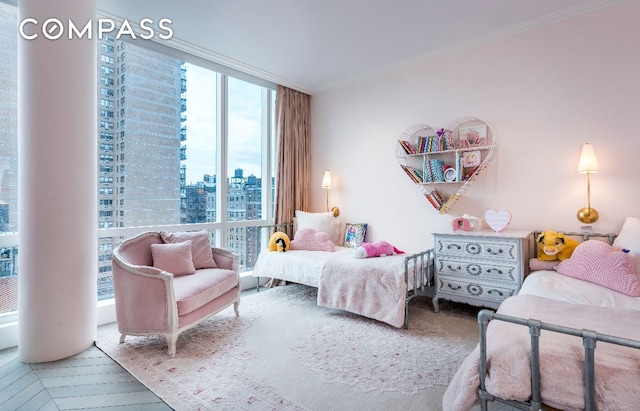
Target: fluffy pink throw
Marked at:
617, 368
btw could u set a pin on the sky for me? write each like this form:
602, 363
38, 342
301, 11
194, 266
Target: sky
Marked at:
245, 118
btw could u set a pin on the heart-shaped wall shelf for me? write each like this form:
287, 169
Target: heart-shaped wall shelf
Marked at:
444, 162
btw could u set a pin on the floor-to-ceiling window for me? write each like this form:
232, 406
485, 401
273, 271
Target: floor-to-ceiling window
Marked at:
176, 151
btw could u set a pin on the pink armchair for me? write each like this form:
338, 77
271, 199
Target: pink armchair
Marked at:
152, 301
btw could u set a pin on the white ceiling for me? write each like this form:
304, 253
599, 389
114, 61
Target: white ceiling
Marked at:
313, 45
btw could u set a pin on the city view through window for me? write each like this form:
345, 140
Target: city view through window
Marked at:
177, 143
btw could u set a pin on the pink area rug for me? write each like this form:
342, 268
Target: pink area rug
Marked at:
285, 353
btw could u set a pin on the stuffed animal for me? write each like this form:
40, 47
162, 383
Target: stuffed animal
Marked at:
555, 246
377, 249
279, 241
312, 240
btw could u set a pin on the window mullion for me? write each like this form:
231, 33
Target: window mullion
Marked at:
222, 136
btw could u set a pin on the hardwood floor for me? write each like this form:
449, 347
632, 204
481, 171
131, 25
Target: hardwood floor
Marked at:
87, 381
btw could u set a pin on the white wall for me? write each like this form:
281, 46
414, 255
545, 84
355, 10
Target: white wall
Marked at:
545, 92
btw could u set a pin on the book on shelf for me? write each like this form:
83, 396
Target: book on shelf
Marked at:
434, 170
414, 174
470, 161
408, 147
436, 199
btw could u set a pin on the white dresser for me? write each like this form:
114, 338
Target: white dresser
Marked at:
480, 267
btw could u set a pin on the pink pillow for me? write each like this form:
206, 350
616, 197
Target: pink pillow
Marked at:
174, 258
312, 240
600, 263
200, 246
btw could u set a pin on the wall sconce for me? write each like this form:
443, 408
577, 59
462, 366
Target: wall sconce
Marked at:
326, 184
588, 164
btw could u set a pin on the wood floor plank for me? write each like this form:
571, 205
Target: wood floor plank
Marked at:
132, 398
36, 402
13, 372
83, 370
96, 389
17, 386
74, 362
24, 396
86, 379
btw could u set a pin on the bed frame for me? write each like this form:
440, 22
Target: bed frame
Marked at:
589, 339
419, 266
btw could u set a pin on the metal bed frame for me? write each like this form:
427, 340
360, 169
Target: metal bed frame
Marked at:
589, 339
418, 265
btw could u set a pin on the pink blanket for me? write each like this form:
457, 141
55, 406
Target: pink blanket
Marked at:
372, 287
617, 375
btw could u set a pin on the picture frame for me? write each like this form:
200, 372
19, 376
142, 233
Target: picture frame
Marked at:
472, 136
354, 234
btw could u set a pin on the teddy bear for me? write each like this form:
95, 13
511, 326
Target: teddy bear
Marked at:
554, 246
377, 249
279, 241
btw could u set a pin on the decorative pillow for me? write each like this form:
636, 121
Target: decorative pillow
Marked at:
324, 222
629, 239
200, 246
354, 234
599, 263
312, 240
539, 265
174, 258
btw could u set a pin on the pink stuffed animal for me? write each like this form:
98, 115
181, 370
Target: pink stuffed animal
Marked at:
377, 249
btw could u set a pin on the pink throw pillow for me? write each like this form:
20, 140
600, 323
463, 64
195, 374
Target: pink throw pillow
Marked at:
174, 258
599, 263
200, 246
312, 240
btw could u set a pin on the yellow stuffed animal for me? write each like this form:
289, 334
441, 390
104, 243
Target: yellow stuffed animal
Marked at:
279, 241
555, 246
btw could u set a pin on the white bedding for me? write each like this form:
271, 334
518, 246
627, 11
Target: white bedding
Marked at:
372, 287
298, 266
550, 284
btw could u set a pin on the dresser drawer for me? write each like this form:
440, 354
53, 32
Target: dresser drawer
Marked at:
476, 290
478, 270
479, 248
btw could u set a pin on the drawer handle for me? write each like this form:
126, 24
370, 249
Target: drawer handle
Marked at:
454, 288
490, 251
500, 293
494, 269
449, 246
453, 268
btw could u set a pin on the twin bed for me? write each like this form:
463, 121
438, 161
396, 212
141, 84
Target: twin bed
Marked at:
562, 342
379, 287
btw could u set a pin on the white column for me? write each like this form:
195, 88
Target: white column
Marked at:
56, 184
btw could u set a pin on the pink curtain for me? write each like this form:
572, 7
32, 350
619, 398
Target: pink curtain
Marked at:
293, 170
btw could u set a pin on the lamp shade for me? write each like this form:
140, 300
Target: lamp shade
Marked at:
588, 161
326, 180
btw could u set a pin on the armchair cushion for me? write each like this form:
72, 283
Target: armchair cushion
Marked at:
174, 258
192, 292
200, 246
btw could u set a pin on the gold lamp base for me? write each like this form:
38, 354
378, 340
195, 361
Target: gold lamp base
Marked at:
588, 215
335, 211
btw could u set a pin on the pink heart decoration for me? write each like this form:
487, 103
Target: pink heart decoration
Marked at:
497, 220
413, 163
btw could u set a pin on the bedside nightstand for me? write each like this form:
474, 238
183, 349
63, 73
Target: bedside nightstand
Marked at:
480, 268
